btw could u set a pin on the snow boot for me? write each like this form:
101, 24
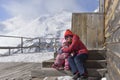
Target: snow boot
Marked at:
83, 78
76, 76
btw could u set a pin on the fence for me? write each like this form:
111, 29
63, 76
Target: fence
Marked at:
28, 43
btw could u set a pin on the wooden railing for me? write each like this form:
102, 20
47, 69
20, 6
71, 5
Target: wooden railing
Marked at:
21, 45
9, 48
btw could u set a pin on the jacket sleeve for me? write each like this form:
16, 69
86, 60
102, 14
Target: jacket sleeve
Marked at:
71, 47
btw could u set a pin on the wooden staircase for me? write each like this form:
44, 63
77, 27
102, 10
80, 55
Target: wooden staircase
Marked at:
96, 66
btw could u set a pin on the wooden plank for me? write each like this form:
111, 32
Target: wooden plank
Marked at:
53, 72
97, 64
111, 11
108, 77
91, 32
114, 47
113, 71
58, 77
96, 59
112, 31
39, 79
89, 27
101, 6
17, 70
12, 47
113, 60
74, 21
49, 72
100, 30
107, 2
79, 26
113, 24
83, 29
16, 37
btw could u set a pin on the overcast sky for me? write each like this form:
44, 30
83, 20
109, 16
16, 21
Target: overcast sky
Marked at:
36, 8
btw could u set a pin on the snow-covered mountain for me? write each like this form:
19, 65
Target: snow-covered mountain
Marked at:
44, 26
47, 26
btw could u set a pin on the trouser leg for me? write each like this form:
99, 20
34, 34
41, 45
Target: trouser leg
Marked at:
72, 64
79, 61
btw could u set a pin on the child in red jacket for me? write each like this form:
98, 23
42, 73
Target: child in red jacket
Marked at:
62, 58
77, 59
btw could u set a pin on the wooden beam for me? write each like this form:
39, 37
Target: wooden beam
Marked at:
112, 9
53, 72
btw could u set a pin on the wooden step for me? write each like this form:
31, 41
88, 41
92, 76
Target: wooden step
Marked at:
96, 54
97, 64
56, 78
108, 77
39, 79
89, 63
53, 72
97, 51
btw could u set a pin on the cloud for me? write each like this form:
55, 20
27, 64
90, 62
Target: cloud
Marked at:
56, 5
13, 24
25, 9
23, 12
96, 10
35, 8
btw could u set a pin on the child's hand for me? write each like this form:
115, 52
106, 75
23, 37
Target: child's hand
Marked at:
59, 51
64, 56
72, 54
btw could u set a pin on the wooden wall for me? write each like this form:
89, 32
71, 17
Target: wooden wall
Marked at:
89, 27
112, 35
101, 6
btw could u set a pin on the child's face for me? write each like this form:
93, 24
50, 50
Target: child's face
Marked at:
65, 44
69, 39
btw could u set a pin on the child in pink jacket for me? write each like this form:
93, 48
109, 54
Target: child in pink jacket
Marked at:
62, 58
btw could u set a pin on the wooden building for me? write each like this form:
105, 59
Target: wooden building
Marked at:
102, 30
112, 36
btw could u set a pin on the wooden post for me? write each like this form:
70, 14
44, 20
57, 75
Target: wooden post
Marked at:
96, 37
21, 44
39, 44
9, 51
55, 47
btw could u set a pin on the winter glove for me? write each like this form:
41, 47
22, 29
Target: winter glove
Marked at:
59, 51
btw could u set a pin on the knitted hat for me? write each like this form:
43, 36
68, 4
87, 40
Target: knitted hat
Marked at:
68, 33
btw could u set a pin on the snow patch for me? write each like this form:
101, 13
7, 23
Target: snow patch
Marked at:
104, 78
64, 78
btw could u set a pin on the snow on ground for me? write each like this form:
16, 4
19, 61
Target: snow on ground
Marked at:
60, 78
29, 57
70, 78
64, 78
67, 78
104, 78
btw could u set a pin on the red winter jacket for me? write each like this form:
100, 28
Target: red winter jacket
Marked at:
76, 46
